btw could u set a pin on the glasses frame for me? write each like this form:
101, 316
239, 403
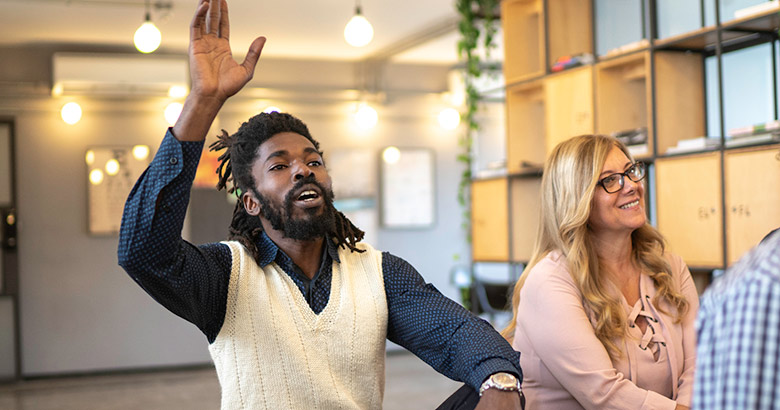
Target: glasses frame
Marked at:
623, 175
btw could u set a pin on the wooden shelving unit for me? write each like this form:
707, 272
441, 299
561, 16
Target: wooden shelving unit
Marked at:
712, 203
524, 57
525, 126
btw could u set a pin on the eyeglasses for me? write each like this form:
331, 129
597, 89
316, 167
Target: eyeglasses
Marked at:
614, 182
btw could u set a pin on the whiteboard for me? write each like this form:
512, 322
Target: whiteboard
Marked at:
408, 189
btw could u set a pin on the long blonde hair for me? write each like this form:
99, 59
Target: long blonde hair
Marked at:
568, 185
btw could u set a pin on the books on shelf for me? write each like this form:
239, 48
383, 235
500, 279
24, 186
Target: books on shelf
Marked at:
753, 134
757, 9
565, 62
694, 144
635, 139
761, 138
634, 136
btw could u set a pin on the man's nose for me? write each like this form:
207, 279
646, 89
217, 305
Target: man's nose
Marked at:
301, 171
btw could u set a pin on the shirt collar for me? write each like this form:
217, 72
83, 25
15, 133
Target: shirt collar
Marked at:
268, 250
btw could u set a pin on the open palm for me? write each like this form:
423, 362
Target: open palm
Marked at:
213, 71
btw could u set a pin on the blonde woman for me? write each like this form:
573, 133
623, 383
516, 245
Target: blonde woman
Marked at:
603, 315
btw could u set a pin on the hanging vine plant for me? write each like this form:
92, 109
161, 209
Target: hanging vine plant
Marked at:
478, 22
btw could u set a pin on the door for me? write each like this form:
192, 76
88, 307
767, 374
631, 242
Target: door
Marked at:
689, 208
9, 328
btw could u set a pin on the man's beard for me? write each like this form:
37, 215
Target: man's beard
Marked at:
309, 227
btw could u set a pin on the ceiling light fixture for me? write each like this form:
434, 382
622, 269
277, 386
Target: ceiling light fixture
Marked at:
71, 113
366, 116
147, 38
358, 31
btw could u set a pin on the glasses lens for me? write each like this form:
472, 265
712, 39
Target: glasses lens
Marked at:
637, 172
612, 183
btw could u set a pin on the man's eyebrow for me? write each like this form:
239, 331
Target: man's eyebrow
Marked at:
275, 154
282, 152
310, 150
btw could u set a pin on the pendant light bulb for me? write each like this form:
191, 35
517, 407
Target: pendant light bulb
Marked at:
147, 38
358, 31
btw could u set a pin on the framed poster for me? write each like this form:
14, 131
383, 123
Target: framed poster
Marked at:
407, 187
111, 174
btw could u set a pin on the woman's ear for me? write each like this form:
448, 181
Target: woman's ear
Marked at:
251, 204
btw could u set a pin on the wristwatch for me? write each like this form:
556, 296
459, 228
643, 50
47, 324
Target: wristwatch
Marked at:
501, 381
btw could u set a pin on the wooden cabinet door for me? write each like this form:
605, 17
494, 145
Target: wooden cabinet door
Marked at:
752, 198
568, 105
525, 215
689, 208
490, 220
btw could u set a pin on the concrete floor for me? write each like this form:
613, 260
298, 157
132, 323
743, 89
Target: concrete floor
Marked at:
410, 384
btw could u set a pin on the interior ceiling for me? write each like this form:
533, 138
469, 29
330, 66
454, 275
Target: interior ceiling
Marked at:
424, 30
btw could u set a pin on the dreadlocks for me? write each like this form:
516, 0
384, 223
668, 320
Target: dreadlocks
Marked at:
236, 165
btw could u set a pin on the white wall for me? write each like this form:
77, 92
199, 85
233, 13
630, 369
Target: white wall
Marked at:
79, 311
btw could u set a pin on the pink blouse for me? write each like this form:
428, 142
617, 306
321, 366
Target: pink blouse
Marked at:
566, 367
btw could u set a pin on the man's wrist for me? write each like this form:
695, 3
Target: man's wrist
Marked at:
501, 381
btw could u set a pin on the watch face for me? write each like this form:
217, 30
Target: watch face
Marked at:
505, 380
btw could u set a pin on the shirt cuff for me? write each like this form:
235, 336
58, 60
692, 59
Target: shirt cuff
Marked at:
656, 401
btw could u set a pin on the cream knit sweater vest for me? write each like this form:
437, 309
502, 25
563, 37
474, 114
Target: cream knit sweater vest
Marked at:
273, 352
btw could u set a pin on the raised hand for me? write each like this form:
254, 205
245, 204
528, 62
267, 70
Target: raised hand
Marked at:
215, 75
214, 72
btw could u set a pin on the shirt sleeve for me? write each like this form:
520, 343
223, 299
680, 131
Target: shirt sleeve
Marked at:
688, 290
439, 331
190, 281
738, 357
552, 318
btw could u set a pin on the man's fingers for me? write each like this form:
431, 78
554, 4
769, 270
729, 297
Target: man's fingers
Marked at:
253, 55
198, 25
224, 21
212, 17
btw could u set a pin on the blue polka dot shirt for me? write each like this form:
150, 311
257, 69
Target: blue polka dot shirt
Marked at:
192, 281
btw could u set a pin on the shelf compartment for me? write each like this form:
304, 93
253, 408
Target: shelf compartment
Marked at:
525, 127
523, 27
623, 94
526, 208
490, 220
688, 203
570, 29
751, 210
765, 21
679, 98
568, 112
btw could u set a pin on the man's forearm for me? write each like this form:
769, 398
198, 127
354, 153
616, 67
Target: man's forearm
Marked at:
196, 118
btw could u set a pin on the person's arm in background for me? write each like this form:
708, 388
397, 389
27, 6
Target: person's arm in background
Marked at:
452, 340
556, 324
188, 280
738, 352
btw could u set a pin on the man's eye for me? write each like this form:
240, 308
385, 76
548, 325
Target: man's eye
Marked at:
277, 167
315, 163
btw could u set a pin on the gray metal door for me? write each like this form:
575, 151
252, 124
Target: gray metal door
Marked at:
9, 325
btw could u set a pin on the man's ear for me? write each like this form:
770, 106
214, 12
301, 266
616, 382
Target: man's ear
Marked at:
251, 204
